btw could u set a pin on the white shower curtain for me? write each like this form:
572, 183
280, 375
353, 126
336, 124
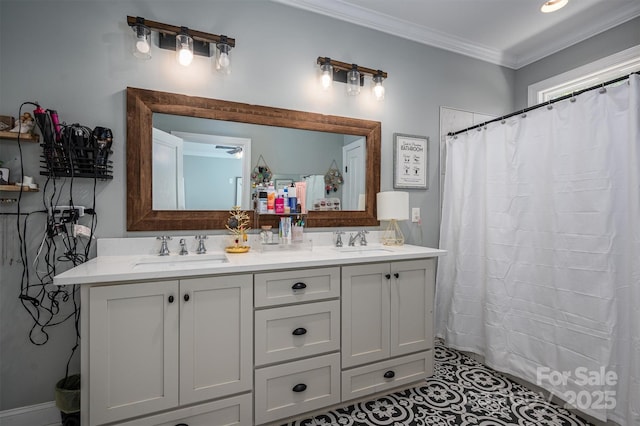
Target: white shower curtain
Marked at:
541, 220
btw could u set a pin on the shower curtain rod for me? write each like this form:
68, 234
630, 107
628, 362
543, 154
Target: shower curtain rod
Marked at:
531, 108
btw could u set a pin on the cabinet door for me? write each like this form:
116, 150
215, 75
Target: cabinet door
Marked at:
133, 350
216, 332
365, 313
412, 286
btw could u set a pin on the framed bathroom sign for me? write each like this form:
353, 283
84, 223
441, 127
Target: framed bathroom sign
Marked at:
410, 161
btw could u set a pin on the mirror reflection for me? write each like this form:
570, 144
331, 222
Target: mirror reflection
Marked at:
205, 164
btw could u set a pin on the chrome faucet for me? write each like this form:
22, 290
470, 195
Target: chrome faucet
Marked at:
361, 235
339, 238
183, 247
201, 248
164, 250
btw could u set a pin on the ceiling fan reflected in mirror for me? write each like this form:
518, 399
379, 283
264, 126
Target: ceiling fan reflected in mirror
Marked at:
232, 150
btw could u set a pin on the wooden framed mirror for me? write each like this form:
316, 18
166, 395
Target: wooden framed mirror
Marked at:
142, 104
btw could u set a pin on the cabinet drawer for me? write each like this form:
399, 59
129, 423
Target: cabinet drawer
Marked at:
297, 331
237, 410
370, 379
284, 287
289, 389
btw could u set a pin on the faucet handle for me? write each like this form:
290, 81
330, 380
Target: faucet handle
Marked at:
164, 250
363, 237
201, 248
339, 238
183, 247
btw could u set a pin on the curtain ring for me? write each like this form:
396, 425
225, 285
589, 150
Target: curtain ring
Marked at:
549, 106
573, 97
503, 121
602, 89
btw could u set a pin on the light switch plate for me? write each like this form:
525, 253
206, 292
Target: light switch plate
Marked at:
415, 214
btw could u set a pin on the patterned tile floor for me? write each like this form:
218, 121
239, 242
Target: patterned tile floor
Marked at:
461, 392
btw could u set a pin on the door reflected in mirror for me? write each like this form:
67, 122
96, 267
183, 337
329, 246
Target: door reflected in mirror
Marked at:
205, 164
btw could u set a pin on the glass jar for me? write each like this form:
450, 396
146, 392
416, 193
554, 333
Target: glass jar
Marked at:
266, 236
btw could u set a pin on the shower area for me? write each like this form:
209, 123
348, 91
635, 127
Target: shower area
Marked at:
541, 221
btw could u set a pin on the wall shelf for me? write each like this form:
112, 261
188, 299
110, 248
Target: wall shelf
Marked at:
16, 188
27, 137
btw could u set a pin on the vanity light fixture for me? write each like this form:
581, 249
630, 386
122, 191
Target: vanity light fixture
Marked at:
353, 81
142, 34
378, 88
184, 47
553, 5
185, 41
326, 79
351, 74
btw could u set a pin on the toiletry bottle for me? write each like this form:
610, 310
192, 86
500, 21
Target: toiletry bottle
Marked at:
262, 202
271, 199
293, 201
279, 208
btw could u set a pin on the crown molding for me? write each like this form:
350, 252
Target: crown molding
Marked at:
622, 15
357, 15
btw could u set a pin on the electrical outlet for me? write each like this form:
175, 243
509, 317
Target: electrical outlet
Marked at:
415, 214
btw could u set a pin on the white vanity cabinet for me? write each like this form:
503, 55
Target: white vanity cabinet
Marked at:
387, 313
297, 342
167, 345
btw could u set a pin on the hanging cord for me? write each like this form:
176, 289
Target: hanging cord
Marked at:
570, 96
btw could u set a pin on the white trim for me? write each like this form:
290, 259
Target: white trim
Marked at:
599, 71
45, 414
340, 9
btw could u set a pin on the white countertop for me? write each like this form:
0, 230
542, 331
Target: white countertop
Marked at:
126, 266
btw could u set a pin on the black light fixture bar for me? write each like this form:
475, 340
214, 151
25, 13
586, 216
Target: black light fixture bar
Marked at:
340, 70
201, 40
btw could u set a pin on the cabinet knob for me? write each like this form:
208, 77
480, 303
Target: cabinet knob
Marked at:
389, 374
186, 297
299, 286
397, 275
170, 299
299, 331
299, 387
388, 276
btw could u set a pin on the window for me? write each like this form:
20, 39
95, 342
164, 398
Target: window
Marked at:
600, 71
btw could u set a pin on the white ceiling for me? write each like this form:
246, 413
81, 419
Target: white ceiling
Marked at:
512, 33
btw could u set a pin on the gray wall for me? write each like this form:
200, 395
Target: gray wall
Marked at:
75, 56
210, 182
602, 45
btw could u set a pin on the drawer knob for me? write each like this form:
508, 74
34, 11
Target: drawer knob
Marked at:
397, 275
388, 276
299, 286
170, 299
389, 374
186, 297
299, 331
301, 387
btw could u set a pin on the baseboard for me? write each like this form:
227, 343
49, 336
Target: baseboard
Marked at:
45, 414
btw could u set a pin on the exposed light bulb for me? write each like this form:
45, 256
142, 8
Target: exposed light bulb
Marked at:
142, 45
353, 82
185, 56
326, 80
378, 88
378, 91
184, 49
223, 61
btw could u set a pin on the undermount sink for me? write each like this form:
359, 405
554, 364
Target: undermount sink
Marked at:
179, 262
363, 250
